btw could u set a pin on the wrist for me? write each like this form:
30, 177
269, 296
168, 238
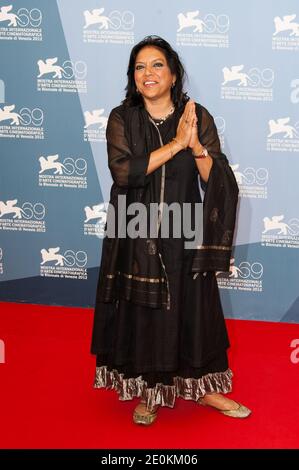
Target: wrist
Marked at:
176, 147
197, 148
172, 150
199, 151
179, 144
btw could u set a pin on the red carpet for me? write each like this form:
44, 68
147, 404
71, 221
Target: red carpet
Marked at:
48, 401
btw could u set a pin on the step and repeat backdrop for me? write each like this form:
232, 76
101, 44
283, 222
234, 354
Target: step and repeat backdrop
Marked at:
63, 68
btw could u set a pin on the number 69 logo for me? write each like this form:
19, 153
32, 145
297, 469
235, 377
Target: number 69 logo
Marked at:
250, 270
27, 17
32, 117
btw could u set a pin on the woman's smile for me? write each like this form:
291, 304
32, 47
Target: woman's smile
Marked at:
150, 84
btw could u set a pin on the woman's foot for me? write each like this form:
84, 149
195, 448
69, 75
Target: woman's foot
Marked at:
225, 405
219, 401
142, 415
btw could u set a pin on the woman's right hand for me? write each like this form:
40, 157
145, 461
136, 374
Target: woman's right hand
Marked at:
184, 129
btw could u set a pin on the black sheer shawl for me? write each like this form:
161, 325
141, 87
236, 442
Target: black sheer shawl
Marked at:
132, 268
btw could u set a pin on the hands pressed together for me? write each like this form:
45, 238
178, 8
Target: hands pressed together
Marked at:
186, 133
187, 136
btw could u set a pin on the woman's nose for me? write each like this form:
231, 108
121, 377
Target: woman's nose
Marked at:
148, 70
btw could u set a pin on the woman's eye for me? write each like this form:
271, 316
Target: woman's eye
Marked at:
157, 64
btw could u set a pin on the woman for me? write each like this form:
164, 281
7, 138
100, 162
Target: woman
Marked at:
159, 331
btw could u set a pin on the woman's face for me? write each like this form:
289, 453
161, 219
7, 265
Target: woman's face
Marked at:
152, 75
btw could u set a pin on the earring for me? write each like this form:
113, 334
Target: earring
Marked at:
173, 85
137, 91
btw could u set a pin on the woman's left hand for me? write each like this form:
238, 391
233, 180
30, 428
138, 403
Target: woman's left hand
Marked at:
194, 141
204, 165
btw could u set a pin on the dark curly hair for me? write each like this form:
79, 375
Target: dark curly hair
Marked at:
178, 96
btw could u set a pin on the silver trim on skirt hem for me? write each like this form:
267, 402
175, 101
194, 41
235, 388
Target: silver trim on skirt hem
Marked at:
160, 394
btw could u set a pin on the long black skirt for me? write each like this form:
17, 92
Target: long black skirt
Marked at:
160, 354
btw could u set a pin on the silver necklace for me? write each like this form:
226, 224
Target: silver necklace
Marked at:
159, 121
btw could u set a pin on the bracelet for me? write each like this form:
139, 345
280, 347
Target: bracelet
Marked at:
203, 154
181, 145
171, 152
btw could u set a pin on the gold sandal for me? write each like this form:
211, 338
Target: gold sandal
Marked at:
240, 412
145, 419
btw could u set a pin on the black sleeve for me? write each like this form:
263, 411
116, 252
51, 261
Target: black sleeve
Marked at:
127, 169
